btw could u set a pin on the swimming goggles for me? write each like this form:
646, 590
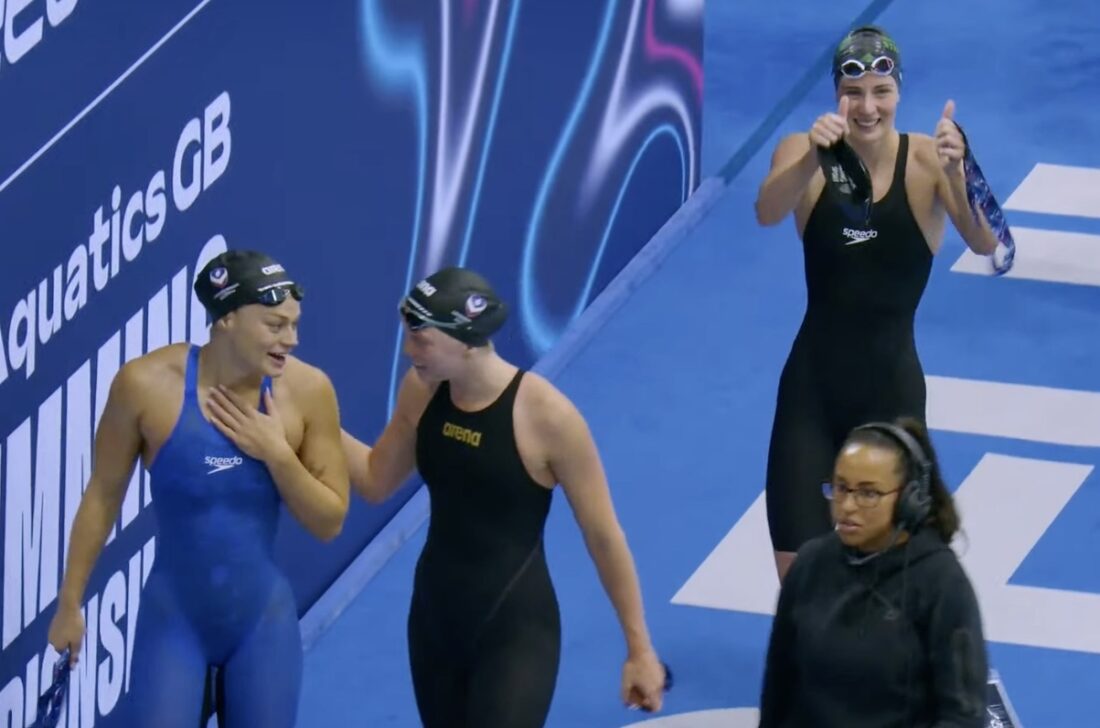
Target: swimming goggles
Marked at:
416, 320
276, 293
855, 68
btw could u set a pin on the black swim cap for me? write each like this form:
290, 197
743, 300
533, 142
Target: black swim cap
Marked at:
241, 277
458, 302
862, 51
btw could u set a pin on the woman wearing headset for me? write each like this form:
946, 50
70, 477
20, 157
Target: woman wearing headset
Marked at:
877, 623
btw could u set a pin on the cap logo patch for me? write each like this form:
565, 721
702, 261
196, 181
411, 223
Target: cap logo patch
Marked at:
219, 277
475, 305
274, 268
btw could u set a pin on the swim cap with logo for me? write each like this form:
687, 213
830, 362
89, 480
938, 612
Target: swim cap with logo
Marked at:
866, 49
241, 277
458, 302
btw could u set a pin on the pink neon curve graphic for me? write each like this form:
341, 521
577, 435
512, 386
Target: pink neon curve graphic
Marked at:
625, 112
644, 99
656, 50
639, 85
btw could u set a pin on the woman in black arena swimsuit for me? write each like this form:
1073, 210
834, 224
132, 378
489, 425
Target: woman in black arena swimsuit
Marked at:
491, 441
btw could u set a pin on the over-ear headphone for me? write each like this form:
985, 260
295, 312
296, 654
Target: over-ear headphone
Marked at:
915, 499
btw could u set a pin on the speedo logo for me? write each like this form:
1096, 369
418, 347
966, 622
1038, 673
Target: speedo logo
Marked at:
217, 465
859, 236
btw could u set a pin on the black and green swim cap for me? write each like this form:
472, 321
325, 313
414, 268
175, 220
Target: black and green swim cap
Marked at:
866, 49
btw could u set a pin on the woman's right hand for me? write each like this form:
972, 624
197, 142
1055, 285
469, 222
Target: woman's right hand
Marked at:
67, 631
830, 128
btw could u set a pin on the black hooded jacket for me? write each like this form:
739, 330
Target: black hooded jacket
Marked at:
894, 641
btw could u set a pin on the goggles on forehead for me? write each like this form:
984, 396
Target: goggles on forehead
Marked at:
855, 68
278, 293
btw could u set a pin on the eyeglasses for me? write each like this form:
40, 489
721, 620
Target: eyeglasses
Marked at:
864, 497
279, 292
854, 68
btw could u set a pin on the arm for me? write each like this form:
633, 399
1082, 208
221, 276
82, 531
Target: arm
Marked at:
376, 473
793, 166
951, 188
780, 674
117, 447
950, 150
357, 454
958, 662
576, 466
314, 481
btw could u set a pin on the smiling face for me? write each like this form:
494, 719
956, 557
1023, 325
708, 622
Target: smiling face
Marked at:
872, 105
261, 337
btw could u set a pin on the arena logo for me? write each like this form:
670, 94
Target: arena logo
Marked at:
201, 156
24, 24
45, 463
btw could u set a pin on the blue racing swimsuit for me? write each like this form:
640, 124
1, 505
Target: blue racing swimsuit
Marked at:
214, 596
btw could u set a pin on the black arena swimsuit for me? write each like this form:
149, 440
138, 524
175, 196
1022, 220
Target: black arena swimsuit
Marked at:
484, 628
